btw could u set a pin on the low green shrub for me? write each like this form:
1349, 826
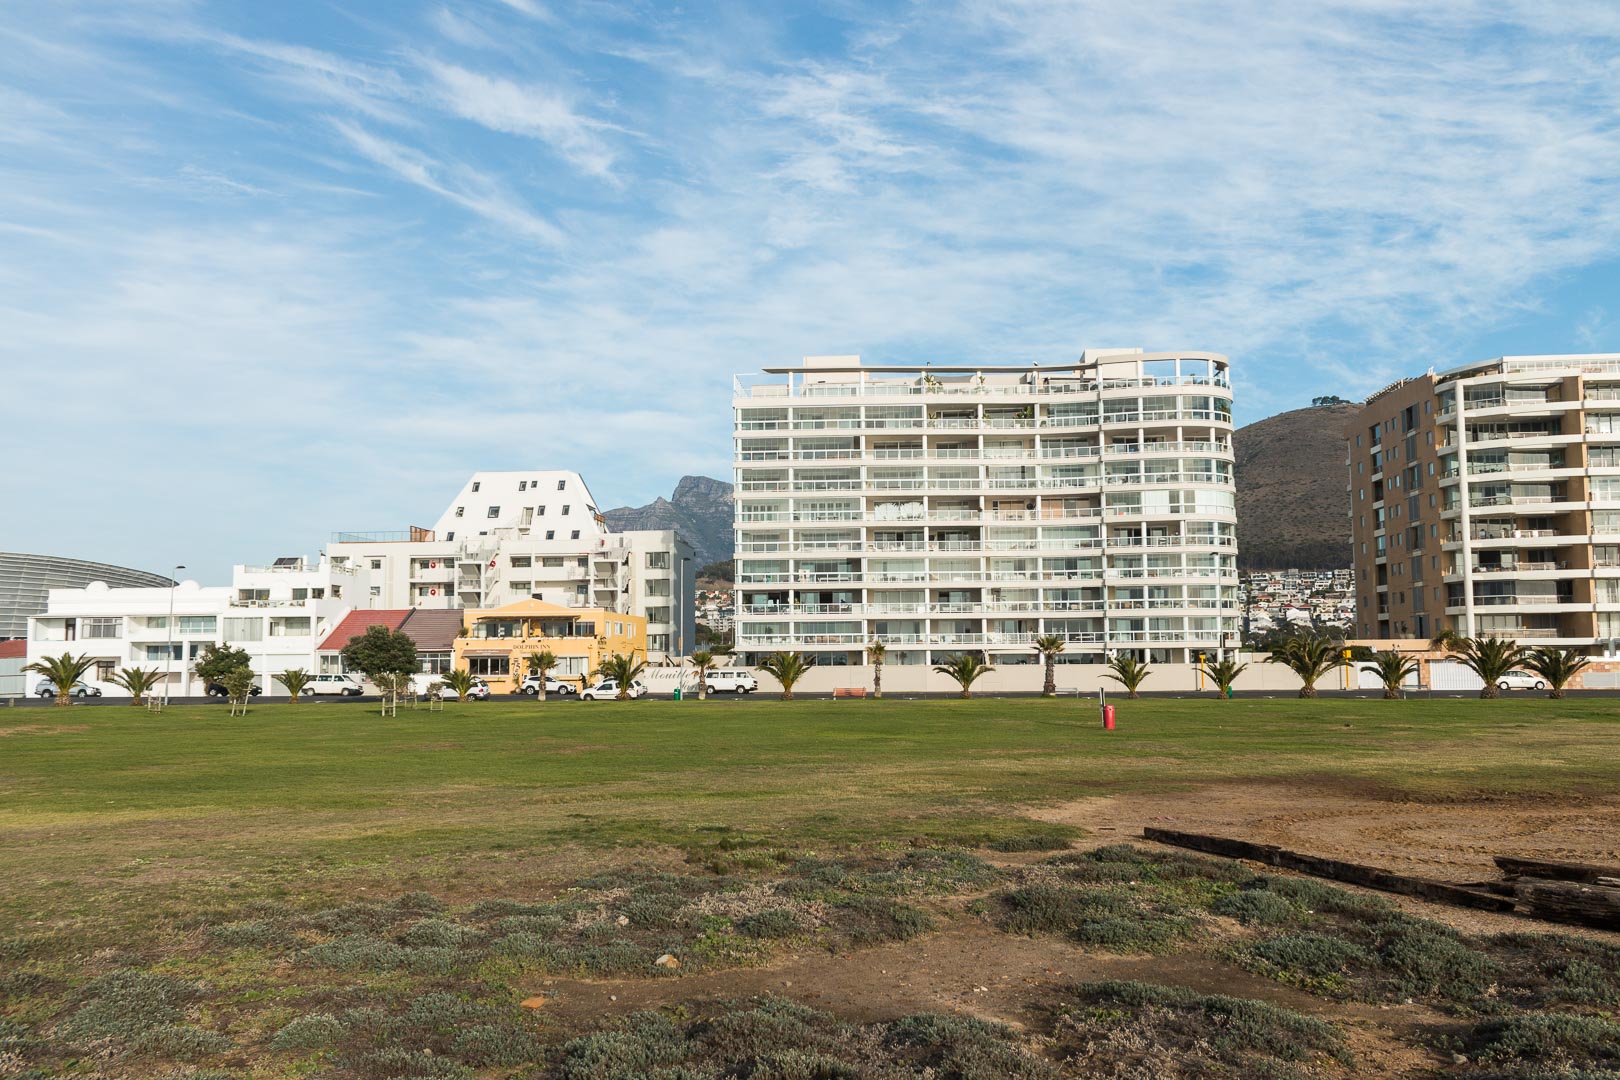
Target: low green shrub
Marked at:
1553, 1038
312, 1031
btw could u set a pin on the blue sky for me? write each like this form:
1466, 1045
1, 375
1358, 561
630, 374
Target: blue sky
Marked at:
270, 270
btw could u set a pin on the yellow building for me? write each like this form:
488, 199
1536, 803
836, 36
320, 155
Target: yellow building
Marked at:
495, 642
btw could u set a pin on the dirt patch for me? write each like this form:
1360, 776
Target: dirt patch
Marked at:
43, 729
1447, 841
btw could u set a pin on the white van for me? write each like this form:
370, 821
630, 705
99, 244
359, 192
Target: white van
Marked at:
347, 685
734, 680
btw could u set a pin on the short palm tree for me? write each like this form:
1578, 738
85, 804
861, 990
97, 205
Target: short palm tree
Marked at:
703, 663
459, 681
1129, 672
1447, 640
1223, 673
1392, 669
296, 680
541, 663
1556, 667
1047, 647
1310, 656
63, 671
965, 668
786, 668
138, 681
1491, 658
622, 669
875, 652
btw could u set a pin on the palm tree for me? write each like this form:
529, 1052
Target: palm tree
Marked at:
1447, 640
965, 668
1491, 658
1310, 656
1392, 669
875, 652
138, 681
1556, 666
63, 671
459, 681
541, 663
703, 663
1223, 673
1047, 647
622, 669
786, 668
295, 680
1129, 672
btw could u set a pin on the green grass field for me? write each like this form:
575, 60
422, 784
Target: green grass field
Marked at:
99, 801
315, 887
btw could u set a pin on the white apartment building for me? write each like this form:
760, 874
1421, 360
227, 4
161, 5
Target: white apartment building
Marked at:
275, 613
510, 536
950, 509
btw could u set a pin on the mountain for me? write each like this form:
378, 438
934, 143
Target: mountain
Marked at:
700, 509
1291, 502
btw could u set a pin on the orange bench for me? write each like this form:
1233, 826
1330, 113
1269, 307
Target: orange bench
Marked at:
849, 691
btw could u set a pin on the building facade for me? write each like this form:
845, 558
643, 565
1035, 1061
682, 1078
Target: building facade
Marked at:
1486, 500
495, 644
942, 510
507, 537
26, 582
275, 613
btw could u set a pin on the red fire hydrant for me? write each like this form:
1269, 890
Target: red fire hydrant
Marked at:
1108, 717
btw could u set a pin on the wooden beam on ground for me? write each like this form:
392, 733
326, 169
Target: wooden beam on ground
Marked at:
1370, 877
1570, 901
1586, 873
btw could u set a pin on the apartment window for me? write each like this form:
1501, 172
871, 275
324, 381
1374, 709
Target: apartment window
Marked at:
476, 485
658, 615
658, 560
658, 642
199, 624
104, 670
561, 485
523, 485
551, 534
244, 629
376, 591
657, 587
519, 561
436, 663
460, 510
101, 628
566, 508
584, 562
450, 536
540, 510
520, 586
489, 665
494, 512
164, 652
290, 627
574, 535
551, 560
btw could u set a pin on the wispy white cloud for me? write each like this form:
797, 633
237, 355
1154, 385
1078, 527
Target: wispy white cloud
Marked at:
468, 188
528, 110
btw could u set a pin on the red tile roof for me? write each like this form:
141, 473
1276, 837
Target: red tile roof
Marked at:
354, 625
11, 650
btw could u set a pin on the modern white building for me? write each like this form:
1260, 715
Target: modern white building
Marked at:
971, 508
511, 536
275, 613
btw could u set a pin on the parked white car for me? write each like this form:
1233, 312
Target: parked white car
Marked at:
608, 690
531, 686
46, 688
479, 691
346, 685
732, 680
1521, 680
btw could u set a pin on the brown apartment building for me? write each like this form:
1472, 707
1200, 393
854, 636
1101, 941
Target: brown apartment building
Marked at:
1487, 499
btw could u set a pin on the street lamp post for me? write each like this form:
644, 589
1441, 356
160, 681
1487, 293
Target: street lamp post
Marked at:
168, 650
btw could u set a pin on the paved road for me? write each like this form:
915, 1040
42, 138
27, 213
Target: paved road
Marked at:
1089, 696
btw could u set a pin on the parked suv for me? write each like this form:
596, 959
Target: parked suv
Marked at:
347, 685
80, 689
531, 686
736, 680
478, 691
608, 690
1521, 680
218, 690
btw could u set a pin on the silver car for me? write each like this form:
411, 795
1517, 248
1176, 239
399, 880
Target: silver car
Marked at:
46, 688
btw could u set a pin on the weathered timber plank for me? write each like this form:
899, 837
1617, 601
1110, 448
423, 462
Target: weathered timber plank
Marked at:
1587, 873
1570, 901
